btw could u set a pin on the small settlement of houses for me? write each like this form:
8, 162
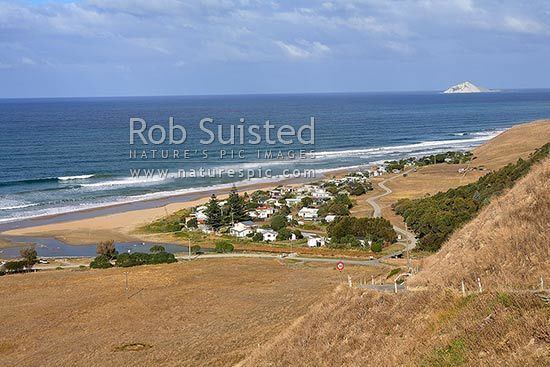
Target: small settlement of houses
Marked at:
299, 205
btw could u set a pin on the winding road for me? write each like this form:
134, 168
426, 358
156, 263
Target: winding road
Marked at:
410, 242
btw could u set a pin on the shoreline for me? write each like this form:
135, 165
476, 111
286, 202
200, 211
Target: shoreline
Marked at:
120, 221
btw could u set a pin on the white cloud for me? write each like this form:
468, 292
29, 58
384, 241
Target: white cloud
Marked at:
303, 49
523, 25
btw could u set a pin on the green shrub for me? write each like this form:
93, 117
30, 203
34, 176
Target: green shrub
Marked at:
140, 258
14, 266
376, 247
192, 223
257, 237
224, 246
195, 249
101, 262
283, 234
157, 248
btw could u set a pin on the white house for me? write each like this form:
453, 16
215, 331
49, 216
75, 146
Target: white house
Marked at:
201, 217
242, 229
321, 194
269, 235
308, 213
293, 201
264, 212
314, 240
330, 218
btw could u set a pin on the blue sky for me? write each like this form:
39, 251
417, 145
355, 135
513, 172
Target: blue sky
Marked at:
162, 47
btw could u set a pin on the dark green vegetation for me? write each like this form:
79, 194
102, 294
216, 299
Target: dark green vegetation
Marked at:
339, 205
107, 255
348, 230
448, 157
29, 258
434, 218
224, 246
235, 210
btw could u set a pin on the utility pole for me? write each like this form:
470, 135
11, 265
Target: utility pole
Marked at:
126, 289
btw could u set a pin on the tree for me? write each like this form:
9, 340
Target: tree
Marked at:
284, 210
157, 248
107, 248
306, 201
278, 221
284, 234
192, 223
214, 213
235, 208
257, 237
29, 256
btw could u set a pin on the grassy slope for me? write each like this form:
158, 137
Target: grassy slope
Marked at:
507, 245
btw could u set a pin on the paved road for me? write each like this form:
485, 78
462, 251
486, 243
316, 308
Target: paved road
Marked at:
410, 238
373, 262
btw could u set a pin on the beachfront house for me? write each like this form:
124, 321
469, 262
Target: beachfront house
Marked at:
242, 229
268, 235
308, 213
314, 240
264, 212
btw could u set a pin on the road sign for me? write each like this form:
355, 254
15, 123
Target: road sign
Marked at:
340, 265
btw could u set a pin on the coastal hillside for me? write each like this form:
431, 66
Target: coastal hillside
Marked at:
506, 245
516, 142
434, 324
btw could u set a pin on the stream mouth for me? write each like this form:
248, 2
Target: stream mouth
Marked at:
51, 247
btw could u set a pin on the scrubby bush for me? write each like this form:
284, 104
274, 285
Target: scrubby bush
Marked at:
284, 234
298, 234
376, 247
107, 248
157, 248
257, 237
192, 223
14, 266
139, 258
29, 256
224, 246
195, 249
101, 262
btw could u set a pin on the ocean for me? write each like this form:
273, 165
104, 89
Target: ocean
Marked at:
66, 155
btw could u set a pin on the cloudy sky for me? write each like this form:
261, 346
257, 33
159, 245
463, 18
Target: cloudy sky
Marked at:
144, 47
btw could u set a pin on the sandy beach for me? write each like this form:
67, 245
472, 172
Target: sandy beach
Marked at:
518, 141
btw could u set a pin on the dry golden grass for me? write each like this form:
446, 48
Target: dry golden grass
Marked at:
507, 244
207, 312
519, 141
414, 329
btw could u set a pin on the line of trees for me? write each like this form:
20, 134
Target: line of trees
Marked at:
107, 255
434, 218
